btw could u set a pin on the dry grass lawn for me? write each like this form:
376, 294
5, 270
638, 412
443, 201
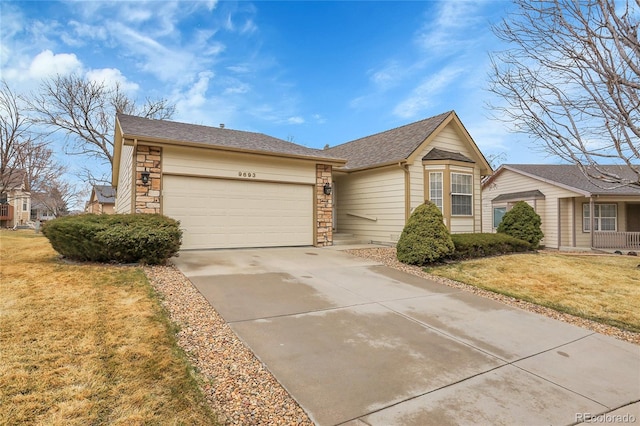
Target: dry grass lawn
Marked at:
601, 288
86, 344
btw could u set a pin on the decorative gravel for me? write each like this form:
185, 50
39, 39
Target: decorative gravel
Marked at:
236, 384
387, 256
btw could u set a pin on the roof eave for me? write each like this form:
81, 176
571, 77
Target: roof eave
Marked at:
142, 139
400, 161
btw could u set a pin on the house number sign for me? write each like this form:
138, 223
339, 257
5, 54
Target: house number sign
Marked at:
247, 174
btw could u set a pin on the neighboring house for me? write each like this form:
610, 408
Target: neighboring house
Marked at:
564, 198
102, 200
15, 200
231, 188
40, 210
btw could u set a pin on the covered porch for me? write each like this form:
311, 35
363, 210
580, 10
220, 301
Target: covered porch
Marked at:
613, 225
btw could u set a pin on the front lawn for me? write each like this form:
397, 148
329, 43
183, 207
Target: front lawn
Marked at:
86, 344
602, 288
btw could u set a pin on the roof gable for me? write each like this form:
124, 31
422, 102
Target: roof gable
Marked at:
215, 137
568, 176
389, 146
404, 144
104, 194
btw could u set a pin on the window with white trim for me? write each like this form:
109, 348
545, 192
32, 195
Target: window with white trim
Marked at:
435, 189
605, 217
461, 194
498, 214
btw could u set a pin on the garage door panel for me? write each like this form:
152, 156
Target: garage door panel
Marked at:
218, 213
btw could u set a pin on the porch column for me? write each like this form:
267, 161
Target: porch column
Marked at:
324, 207
559, 219
591, 218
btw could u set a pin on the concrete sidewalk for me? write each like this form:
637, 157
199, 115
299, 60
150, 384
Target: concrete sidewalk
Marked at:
358, 343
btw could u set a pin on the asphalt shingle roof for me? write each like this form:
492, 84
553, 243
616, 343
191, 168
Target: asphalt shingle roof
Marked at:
105, 194
387, 147
441, 154
571, 176
133, 126
524, 195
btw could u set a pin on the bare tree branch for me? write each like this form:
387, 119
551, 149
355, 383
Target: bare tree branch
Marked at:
18, 144
571, 81
85, 111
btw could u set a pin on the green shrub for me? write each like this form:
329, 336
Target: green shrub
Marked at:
144, 238
522, 222
425, 238
470, 246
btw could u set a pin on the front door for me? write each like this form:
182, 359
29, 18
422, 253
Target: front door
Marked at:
633, 217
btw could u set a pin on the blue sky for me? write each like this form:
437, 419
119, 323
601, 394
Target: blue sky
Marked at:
314, 73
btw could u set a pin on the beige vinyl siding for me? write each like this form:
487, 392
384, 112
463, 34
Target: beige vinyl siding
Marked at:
125, 181
449, 140
207, 163
370, 204
567, 222
510, 182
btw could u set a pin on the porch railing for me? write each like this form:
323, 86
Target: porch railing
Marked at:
617, 240
6, 212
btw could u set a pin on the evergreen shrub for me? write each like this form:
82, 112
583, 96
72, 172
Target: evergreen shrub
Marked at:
120, 238
425, 238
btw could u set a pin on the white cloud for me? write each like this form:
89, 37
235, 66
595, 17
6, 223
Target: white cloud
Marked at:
239, 69
295, 120
319, 118
388, 76
196, 96
421, 98
110, 77
237, 88
452, 28
47, 64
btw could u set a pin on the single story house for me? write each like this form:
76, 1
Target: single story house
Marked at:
233, 188
102, 200
564, 198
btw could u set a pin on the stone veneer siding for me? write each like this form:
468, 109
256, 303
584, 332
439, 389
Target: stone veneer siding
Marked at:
148, 158
324, 207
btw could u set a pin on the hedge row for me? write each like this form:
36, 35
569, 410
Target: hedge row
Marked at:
131, 238
469, 246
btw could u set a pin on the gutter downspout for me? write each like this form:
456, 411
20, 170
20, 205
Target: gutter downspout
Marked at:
407, 190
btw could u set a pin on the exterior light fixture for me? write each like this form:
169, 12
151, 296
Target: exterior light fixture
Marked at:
327, 188
145, 177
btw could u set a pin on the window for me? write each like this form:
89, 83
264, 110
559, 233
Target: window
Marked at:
435, 189
25, 205
498, 213
461, 194
605, 217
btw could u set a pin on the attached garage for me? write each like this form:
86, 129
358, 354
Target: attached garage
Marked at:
228, 188
224, 213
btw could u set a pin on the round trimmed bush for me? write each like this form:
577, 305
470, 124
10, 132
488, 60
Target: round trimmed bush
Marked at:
425, 238
522, 222
121, 238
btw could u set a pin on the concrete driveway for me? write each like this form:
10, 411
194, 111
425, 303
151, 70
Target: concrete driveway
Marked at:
357, 343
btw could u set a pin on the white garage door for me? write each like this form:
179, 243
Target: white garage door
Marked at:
219, 213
